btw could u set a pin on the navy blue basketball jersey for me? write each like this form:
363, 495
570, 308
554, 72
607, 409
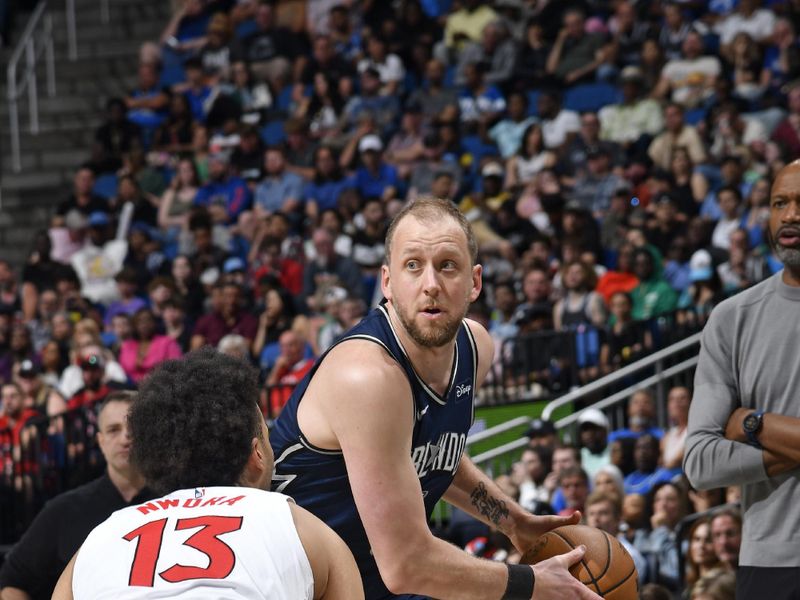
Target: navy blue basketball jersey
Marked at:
317, 478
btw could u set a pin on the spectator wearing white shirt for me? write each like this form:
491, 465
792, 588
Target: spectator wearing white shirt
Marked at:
559, 125
100, 260
689, 80
759, 23
389, 66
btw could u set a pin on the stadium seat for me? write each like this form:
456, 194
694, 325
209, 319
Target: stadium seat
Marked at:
590, 97
273, 133
694, 116
533, 103
245, 28
106, 186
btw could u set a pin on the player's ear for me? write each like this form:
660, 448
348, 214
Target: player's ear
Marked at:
477, 282
255, 466
385, 285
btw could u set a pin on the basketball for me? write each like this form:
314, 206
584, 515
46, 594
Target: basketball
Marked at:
607, 569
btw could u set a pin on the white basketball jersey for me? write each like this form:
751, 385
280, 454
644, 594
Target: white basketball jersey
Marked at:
220, 543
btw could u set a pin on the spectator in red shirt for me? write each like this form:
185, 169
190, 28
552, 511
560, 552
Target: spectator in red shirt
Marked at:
14, 439
230, 318
270, 261
289, 370
95, 387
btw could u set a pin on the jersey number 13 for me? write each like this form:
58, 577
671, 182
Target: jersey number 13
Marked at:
221, 558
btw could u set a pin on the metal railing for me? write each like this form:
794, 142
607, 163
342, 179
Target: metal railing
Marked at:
36, 39
498, 459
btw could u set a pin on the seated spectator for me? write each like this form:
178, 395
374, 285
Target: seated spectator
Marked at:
114, 138
604, 511
374, 178
236, 346
726, 536
225, 196
405, 148
659, 545
748, 18
480, 103
96, 384
575, 485
535, 465
702, 295
559, 125
436, 100
653, 296
278, 315
628, 33
496, 49
82, 199
625, 340
349, 314
594, 189
323, 191
678, 400
247, 159
175, 134
176, 323
434, 165
100, 260
229, 318
676, 134
330, 268
647, 474
531, 67
609, 481
565, 458
576, 54
147, 103
389, 66
674, 30
215, 54
689, 80
529, 160
636, 118
270, 49
382, 109
580, 304
177, 201
467, 24
593, 432
147, 349
289, 369
128, 303
16, 440
322, 108
509, 133
700, 557
641, 418
280, 190
542, 433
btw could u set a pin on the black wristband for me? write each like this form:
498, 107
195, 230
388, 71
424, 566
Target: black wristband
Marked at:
520, 583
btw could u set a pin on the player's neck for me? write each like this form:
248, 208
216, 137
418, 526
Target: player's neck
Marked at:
128, 483
791, 276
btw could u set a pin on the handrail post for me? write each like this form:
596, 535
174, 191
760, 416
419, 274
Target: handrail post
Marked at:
72, 39
50, 57
13, 116
660, 396
30, 67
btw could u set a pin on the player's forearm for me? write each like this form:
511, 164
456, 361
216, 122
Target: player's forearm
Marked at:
12, 593
476, 494
781, 436
438, 569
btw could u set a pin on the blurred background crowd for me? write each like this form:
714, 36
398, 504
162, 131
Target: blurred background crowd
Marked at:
614, 158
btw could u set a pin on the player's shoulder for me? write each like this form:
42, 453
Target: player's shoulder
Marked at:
360, 361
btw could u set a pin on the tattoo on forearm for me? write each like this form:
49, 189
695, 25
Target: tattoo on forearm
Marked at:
490, 507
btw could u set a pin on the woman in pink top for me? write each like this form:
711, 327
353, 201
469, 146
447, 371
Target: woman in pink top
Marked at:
139, 355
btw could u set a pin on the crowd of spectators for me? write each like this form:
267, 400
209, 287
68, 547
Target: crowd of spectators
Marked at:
614, 158
629, 483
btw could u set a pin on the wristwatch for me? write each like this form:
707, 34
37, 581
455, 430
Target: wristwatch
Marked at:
752, 425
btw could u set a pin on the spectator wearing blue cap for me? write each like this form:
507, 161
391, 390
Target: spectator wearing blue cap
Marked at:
100, 260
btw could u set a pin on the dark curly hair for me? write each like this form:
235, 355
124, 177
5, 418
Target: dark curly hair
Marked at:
194, 422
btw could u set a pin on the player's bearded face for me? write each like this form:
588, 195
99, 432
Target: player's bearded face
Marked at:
429, 333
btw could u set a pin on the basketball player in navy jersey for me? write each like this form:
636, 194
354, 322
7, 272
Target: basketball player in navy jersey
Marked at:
374, 436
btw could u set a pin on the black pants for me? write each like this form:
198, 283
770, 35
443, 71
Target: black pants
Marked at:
772, 583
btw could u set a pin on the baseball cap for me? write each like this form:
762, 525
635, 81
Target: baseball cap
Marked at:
75, 220
370, 142
593, 416
233, 264
700, 266
28, 369
492, 169
539, 427
93, 361
631, 73
98, 219
530, 313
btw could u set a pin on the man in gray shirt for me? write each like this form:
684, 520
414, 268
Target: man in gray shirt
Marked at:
744, 421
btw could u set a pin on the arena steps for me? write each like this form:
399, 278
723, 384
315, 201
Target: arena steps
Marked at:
105, 67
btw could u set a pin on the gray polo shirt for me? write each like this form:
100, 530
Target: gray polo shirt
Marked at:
750, 357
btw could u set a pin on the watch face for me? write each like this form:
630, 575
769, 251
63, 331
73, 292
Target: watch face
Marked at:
750, 423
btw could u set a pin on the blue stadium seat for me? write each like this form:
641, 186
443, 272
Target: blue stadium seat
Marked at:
694, 116
172, 74
106, 186
533, 103
590, 97
284, 99
245, 28
273, 133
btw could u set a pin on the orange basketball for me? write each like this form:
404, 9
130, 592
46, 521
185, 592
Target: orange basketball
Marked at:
607, 569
